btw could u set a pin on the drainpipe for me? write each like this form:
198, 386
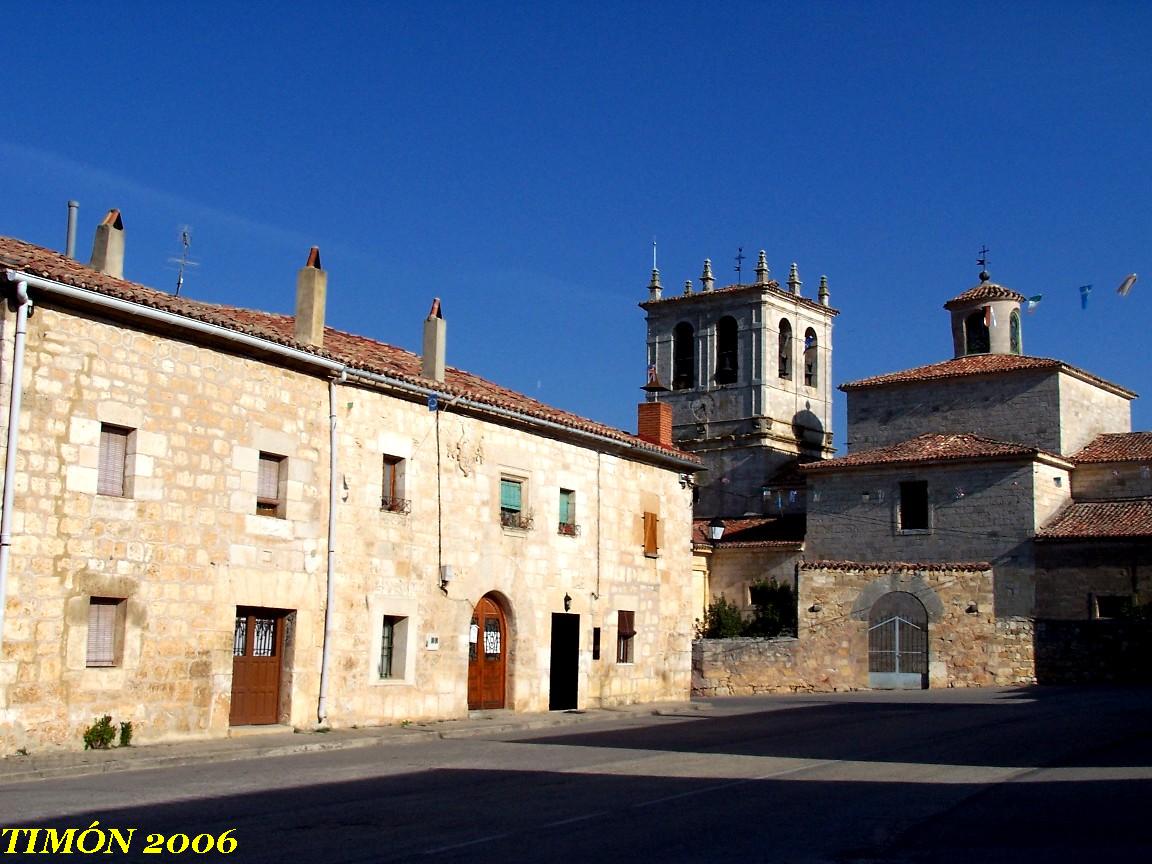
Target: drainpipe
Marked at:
322, 704
22, 306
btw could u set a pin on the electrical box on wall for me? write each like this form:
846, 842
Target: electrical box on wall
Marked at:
432, 643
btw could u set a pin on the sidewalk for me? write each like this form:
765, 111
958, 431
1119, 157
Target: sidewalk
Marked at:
262, 742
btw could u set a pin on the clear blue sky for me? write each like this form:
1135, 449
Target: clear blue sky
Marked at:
517, 159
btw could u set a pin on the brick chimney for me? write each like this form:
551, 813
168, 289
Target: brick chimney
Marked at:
108, 247
654, 423
435, 333
311, 293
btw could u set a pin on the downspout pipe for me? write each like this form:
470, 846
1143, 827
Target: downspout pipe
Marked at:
333, 494
215, 330
23, 303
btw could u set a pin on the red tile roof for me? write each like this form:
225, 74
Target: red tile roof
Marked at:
888, 566
1101, 520
1117, 447
358, 352
984, 291
772, 285
931, 447
786, 532
981, 364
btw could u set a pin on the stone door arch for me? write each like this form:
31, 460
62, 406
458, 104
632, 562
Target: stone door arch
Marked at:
898, 643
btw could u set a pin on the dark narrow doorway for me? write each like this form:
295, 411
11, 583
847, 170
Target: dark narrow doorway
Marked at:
564, 669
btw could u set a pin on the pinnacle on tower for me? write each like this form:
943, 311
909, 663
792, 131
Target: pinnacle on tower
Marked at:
687, 287
654, 287
762, 269
823, 293
706, 280
794, 282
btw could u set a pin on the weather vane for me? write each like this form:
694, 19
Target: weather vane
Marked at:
739, 264
982, 262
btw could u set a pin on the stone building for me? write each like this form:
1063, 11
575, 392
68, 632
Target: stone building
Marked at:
745, 372
216, 517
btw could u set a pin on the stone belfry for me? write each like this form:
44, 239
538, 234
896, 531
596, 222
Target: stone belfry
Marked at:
749, 372
986, 319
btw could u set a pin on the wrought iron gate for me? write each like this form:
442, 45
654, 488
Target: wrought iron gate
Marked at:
898, 643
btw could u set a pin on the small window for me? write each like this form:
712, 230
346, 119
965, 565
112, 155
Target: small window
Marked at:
393, 638
785, 349
1014, 333
1111, 605
115, 445
105, 631
683, 357
392, 487
595, 643
811, 359
651, 535
567, 524
512, 514
914, 506
727, 358
269, 485
625, 636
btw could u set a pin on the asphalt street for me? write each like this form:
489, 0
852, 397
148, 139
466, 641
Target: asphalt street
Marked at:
1032, 775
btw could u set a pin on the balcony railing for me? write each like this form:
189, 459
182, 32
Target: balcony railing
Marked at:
395, 505
568, 529
516, 519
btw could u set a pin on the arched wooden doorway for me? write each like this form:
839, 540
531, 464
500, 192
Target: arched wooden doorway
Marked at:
898, 643
487, 655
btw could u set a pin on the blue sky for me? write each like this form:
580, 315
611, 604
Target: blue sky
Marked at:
517, 159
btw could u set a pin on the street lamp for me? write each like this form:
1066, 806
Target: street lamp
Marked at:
716, 529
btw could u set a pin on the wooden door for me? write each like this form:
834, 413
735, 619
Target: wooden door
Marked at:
487, 656
257, 652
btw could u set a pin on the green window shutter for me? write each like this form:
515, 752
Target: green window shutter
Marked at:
510, 495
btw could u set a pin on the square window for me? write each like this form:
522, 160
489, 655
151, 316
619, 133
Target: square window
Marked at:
116, 444
567, 524
651, 535
105, 631
512, 512
392, 487
625, 636
914, 511
270, 485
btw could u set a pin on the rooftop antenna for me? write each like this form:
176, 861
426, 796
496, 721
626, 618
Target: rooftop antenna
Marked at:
739, 265
982, 263
183, 262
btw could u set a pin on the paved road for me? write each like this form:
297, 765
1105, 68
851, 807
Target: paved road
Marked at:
1038, 775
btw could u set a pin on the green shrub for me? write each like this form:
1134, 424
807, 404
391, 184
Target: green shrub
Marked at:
126, 733
99, 735
775, 604
722, 620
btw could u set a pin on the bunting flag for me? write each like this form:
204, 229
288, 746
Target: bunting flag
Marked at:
1085, 290
1034, 301
809, 341
1126, 285
989, 317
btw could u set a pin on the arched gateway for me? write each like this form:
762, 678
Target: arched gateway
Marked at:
898, 643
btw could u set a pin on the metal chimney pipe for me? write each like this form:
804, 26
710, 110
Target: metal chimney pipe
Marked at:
70, 237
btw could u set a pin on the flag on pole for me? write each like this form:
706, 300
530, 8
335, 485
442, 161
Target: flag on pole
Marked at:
1126, 285
1085, 290
1033, 302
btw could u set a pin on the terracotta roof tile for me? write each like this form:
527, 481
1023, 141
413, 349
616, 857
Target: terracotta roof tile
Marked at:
930, 447
358, 352
888, 566
1101, 520
773, 285
1117, 447
755, 531
980, 364
984, 291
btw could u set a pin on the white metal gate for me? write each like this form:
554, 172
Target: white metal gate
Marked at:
898, 643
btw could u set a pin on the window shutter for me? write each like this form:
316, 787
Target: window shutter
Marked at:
102, 632
113, 455
268, 483
626, 623
566, 507
510, 495
651, 547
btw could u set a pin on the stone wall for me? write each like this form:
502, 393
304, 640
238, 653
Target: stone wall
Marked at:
1070, 575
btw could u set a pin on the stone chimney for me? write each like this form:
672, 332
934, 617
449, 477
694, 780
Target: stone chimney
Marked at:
435, 331
654, 423
311, 294
108, 247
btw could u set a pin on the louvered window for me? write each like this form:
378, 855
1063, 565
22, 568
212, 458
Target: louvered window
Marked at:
268, 501
113, 460
103, 626
651, 535
625, 636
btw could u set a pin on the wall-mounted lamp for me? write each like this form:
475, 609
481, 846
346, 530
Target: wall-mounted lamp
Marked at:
567, 602
716, 529
815, 607
446, 576
865, 497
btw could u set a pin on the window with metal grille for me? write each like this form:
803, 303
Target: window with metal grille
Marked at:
392, 486
387, 645
651, 535
625, 636
104, 625
113, 473
268, 497
913, 511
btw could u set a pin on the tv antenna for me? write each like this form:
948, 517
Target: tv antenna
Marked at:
183, 262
